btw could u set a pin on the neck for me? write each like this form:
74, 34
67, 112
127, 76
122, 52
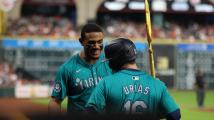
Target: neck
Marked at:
86, 59
130, 66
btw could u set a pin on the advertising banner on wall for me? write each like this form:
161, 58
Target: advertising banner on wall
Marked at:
32, 91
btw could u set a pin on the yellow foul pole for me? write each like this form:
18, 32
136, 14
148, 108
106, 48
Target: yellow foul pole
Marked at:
2, 23
149, 38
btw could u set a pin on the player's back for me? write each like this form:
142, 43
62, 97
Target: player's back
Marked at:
133, 91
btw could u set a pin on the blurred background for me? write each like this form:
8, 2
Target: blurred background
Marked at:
37, 36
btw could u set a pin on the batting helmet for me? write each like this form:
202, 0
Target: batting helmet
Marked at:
119, 52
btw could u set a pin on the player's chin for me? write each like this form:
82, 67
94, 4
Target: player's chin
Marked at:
95, 54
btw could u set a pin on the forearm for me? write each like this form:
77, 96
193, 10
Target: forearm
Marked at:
176, 115
90, 109
54, 106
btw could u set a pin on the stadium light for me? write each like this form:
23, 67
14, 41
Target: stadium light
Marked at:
204, 8
180, 6
195, 2
114, 6
159, 6
135, 5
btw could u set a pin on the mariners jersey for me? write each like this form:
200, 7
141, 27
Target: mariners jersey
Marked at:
131, 91
76, 79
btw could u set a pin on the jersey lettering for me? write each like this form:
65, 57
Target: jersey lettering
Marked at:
131, 88
146, 90
135, 89
126, 90
140, 89
90, 82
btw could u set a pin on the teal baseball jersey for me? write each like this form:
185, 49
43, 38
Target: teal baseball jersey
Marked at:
76, 79
131, 91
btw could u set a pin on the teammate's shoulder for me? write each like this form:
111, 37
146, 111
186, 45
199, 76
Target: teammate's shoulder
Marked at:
110, 78
159, 82
154, 80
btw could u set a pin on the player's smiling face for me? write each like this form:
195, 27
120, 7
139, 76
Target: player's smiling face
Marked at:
93, 44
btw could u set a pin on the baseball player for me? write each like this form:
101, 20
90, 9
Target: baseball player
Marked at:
130, 90
79, 75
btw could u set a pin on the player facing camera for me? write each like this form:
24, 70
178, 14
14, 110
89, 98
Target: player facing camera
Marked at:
77, 77
92, 40
120, 52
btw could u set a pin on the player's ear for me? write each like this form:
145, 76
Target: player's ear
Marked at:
81, 41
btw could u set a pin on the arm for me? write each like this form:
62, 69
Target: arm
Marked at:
97, 100
169, 106
175, 115
59, 92
54, 106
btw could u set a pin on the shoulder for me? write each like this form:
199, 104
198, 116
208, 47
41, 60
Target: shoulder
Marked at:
70, 63
115, 77
109, 79
155, 82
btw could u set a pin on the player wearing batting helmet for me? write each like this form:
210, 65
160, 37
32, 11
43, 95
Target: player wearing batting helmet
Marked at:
130, 90
78, 76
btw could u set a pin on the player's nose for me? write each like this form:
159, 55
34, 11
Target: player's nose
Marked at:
97, 45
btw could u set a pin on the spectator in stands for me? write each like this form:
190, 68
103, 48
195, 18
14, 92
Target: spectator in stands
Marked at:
8, 76
1, 74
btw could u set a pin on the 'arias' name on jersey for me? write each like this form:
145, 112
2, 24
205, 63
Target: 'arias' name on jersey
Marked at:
135, 89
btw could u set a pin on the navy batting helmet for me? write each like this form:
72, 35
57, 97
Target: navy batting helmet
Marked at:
119, 52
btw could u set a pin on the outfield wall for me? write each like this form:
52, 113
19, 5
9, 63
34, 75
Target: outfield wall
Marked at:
175, 63
32, 91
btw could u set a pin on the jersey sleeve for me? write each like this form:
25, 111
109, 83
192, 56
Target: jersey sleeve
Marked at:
59, 90
167, 103
97, 99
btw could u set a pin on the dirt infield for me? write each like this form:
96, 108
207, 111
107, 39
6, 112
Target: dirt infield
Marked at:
20, 109
204, 109
25, 109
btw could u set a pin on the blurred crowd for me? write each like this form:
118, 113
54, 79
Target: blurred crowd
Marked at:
59, 27
41, 26
192, 33
9, 76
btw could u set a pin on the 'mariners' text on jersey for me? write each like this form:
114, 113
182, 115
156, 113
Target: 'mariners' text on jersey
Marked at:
90, 82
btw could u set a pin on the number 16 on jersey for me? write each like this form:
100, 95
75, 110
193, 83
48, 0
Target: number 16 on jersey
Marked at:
134, 107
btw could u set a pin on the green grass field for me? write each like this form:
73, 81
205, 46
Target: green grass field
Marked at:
186, 101
189, 109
